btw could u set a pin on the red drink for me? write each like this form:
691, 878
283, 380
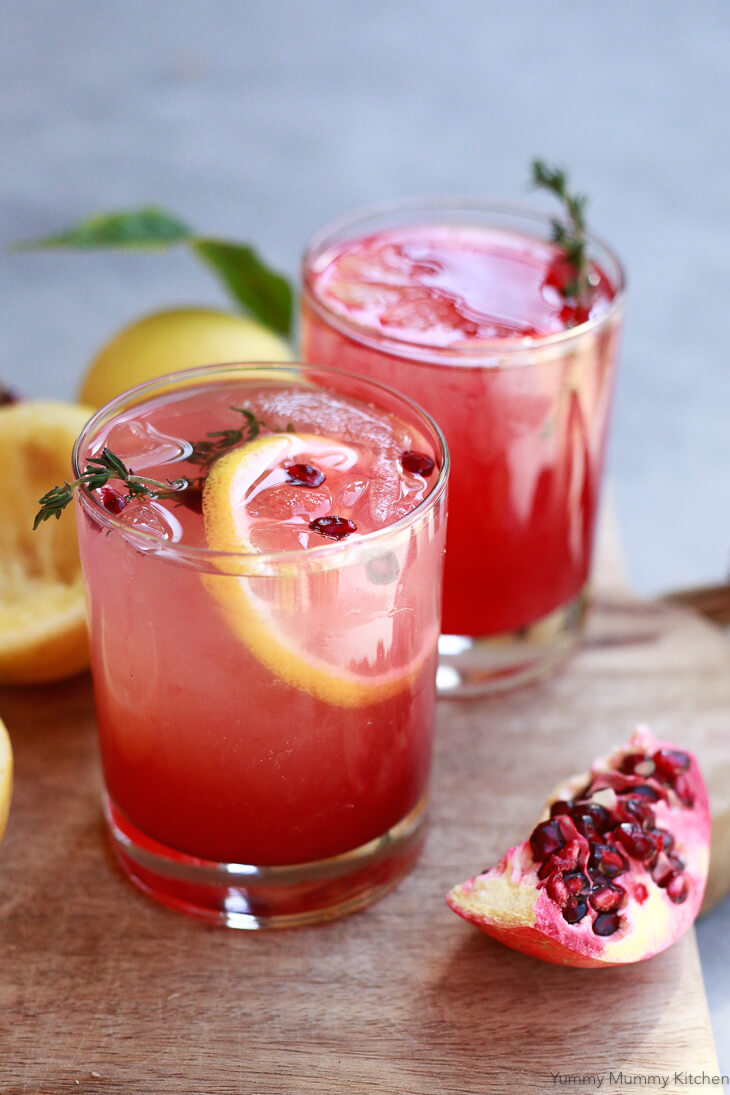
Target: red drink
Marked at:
462, 311
264, 649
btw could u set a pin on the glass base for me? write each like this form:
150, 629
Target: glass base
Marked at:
239, 895
478, 666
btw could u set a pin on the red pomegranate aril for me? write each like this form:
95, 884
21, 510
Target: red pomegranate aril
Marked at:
641, 893
545, 839
678, 888
304, 475
607, 923
584, 825
559, 807
684, 793
557, 890
663, 870
576, 883
642, 791
607, 861
192, 499
7, 397
664, 839
575, 910
112, 500
606, 897
417, 462
638, 811
334, 528
599, 815
670, 764
638, 843
637, 764
566, 858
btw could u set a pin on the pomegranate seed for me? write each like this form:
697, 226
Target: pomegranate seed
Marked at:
545, 839
304, 475
678, 889
664, 839
637, 764
557, 890
607, 861
606, 897
641, 893
670, 763
643, 791
112, 500
334, 528
663, 870
575, 910
597, 814
192, 499
637, 842
559, 807
584, 825
7, 397
607, 923
638, 811
417, 462
684, 791
576, 883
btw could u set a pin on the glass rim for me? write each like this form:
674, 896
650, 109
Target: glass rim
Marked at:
261, 563
488, 349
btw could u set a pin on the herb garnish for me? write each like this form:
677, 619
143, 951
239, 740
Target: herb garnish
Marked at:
205, 452
107, 465
571, 235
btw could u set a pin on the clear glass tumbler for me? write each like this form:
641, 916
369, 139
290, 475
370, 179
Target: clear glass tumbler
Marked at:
265, 716
526, 421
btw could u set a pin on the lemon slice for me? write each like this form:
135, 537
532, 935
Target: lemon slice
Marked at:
43, 633
6, 777
346, 633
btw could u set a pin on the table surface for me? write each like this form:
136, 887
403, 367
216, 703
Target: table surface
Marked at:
105, 991
262, 121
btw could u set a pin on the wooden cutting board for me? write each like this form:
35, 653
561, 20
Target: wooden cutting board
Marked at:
103, 991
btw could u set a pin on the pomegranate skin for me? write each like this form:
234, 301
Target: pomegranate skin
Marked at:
512, 904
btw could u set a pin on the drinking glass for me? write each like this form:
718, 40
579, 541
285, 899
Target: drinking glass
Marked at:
526, 421
265, 718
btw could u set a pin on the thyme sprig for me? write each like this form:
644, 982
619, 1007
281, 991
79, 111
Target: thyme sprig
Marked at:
570, 234
107, 465
99, 470
220, 441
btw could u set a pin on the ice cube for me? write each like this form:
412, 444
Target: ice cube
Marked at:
146, 515
140, 444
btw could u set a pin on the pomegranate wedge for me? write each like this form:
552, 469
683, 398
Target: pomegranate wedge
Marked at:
615, 869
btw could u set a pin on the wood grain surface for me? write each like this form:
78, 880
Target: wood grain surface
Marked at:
103, 991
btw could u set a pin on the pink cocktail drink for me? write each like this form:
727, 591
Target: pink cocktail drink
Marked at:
462, 310
264, 640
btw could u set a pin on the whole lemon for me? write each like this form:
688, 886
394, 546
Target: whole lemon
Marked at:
182, 338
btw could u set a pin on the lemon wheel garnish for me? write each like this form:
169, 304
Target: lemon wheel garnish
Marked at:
329, 631
6, 777
43, 633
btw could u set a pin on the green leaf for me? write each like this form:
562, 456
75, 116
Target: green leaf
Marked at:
151, 227
258, 288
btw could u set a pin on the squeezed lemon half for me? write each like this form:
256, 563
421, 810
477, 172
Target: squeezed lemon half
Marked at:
43, 634
330, 631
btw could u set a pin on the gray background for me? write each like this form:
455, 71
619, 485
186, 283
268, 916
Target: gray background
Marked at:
262, 120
